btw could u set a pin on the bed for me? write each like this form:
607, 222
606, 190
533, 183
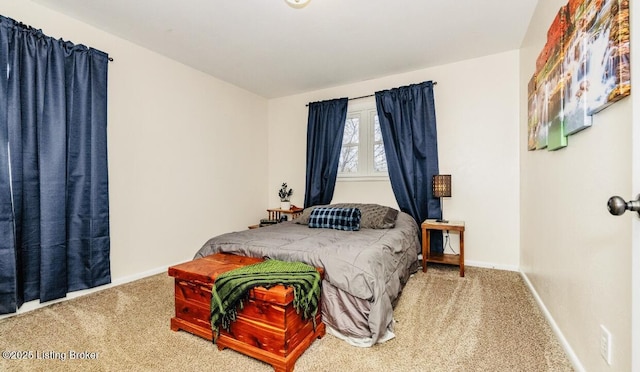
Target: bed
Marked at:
365, 270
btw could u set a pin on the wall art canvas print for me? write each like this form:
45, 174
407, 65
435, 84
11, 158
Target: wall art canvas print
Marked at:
549, 81
575, 65
556, 138
608, 70
534, 116
583, 68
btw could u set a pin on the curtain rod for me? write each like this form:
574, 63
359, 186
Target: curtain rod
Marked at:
29, 27
367, 96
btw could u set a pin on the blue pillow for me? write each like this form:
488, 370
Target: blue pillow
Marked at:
347, 219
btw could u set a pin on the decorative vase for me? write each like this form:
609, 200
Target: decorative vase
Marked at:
285, 205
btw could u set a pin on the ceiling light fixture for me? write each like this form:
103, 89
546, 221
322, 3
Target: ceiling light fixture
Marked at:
297, 3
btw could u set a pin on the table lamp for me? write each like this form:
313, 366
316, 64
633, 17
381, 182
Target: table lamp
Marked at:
441, 188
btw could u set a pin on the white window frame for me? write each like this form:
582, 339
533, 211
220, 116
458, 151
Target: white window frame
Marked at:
366, 111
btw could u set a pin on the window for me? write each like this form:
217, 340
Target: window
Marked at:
362, 153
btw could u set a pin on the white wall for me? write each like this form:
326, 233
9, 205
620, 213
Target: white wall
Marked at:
575, 254
187, 152
478, 132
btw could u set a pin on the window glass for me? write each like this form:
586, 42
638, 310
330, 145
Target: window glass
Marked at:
362, 153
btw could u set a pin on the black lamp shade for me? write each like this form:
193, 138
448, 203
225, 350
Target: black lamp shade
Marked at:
441, 185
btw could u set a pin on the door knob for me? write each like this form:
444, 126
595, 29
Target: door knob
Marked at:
618, 206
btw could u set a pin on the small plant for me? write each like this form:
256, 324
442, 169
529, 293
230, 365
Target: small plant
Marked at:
285, 193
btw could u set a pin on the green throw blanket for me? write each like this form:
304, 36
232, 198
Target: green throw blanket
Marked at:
231, 288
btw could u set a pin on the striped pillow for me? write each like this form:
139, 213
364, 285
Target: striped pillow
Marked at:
347, 219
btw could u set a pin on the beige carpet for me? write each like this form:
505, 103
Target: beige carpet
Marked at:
487, 321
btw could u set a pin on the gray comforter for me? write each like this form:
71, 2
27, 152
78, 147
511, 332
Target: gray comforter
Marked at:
365, 270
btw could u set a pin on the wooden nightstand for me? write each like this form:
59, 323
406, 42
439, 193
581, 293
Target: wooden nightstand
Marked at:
443, 258
275, 213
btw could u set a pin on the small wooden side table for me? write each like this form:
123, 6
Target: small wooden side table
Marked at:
275, 213
442, 258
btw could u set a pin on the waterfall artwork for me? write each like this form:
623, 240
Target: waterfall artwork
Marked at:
583, 68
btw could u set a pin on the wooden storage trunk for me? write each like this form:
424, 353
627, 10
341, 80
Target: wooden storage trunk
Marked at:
267, 328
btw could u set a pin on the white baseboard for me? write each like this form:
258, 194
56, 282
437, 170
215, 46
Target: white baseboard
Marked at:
35, 304
489, 265
486, 265
573, 358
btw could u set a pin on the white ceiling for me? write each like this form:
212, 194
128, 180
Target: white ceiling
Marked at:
273, 50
